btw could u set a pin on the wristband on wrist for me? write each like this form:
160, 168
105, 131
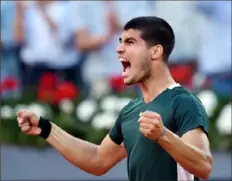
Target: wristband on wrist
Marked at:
161, 135
45, 126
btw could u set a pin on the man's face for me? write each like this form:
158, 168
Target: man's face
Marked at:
133, 53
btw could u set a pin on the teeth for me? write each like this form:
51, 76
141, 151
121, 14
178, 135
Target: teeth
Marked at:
123, 60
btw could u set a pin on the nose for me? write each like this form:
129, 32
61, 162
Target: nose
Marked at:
120, 49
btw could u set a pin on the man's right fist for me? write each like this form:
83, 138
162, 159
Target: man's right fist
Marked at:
28, 122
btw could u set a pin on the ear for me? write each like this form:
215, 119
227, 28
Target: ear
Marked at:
156, 52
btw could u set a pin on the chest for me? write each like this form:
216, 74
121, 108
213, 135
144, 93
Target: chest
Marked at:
130, 127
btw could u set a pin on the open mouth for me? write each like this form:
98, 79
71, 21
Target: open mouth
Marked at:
126, 64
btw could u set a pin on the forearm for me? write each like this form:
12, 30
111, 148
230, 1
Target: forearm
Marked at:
89, 44
191, 158
80, 153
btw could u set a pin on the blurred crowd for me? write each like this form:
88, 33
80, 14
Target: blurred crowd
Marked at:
76, 41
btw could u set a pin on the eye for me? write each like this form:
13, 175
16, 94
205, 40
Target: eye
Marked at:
130, 42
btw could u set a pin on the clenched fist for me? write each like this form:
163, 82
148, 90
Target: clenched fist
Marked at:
150, 124
28, 122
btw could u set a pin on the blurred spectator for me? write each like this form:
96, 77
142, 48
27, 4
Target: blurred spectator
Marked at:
45, 34
215, 48
95, 36
9, 45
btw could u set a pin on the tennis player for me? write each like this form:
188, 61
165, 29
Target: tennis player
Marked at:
163, 133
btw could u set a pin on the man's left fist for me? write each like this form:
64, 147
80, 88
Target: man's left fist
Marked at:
150, 124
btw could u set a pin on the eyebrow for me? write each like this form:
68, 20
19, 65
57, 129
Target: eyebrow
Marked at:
127, 39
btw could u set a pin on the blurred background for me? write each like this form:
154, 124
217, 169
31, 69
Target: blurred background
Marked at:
58, 59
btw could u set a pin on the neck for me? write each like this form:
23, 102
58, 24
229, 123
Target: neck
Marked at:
159, 80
